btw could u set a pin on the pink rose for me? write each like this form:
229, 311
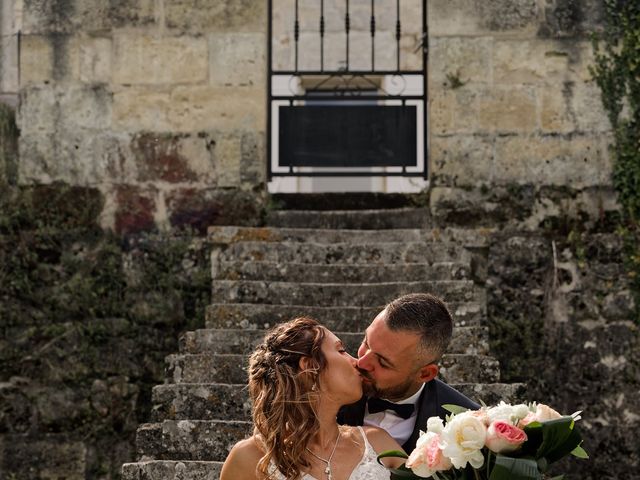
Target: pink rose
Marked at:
503, 437
545, 413
427, 457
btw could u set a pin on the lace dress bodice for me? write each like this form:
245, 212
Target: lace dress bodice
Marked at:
367, 469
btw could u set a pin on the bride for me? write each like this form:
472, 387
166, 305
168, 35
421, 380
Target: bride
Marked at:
298, 379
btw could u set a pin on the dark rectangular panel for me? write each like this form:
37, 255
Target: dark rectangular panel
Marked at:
348, 136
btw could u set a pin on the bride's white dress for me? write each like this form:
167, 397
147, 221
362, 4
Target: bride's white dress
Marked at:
367, 469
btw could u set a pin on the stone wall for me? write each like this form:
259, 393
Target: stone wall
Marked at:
562, 319
514, 110
159, 105
86, 319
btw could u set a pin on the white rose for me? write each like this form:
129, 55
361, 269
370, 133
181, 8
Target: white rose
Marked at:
504, 412
462, 440
435, 425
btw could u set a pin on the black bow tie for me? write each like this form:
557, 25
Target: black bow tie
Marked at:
403, 410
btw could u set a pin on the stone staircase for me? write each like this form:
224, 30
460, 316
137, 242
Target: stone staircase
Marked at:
340, 267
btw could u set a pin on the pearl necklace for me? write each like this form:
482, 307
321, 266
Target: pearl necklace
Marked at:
327, 470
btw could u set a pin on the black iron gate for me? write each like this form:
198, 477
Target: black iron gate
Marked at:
340, 118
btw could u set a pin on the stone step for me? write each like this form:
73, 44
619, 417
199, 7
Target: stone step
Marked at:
171, 470
342, 253
350, 219
301, 272
469, 340
202, 440
338, 294
211, 401
343, 319
231, 368
347, 200
459, 236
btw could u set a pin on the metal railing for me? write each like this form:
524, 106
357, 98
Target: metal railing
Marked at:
378, 103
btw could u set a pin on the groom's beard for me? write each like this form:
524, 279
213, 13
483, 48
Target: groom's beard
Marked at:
397, 392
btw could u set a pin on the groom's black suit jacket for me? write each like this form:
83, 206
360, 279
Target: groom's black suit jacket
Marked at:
435, 394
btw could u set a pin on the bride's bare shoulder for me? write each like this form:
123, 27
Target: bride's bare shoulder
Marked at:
242, 460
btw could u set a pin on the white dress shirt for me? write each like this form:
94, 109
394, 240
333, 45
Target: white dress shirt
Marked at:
399, 428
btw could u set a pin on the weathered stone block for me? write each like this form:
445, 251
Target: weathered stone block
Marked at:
70, 16
575, 106
590, 113
573, 161
45, 456
36, 109
469, 17
200, 108
60, 408
96, 59
201, 208
441, 111
459, 206
173, 158
140, 109
465, 58
508, 110
47, 58
557, 113
171, 470
245, 51
253, 153
518, 62
135, 209
507, 15
47, 108
36, 59
146, 59
461, 160
87, 107
227, 152
199, 16
569, 18
78, 157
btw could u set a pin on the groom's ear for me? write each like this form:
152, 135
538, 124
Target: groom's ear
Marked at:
428, 372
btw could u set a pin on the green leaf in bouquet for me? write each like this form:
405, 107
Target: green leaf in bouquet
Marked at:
392, 453
579, 452
455, 409
401, 471
559, 439
534, 439
509, 468
551, 440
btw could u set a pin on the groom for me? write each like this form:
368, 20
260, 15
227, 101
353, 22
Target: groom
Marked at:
398, 362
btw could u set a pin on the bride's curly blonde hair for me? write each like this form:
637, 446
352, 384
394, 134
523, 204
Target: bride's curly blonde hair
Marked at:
284, 395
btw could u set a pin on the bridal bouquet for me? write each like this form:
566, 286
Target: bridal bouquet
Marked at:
505, 442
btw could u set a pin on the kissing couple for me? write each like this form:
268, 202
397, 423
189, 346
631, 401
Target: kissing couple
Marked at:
321, 414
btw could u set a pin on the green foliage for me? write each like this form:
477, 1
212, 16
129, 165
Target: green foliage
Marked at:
617, 73
79, 306
454, 81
